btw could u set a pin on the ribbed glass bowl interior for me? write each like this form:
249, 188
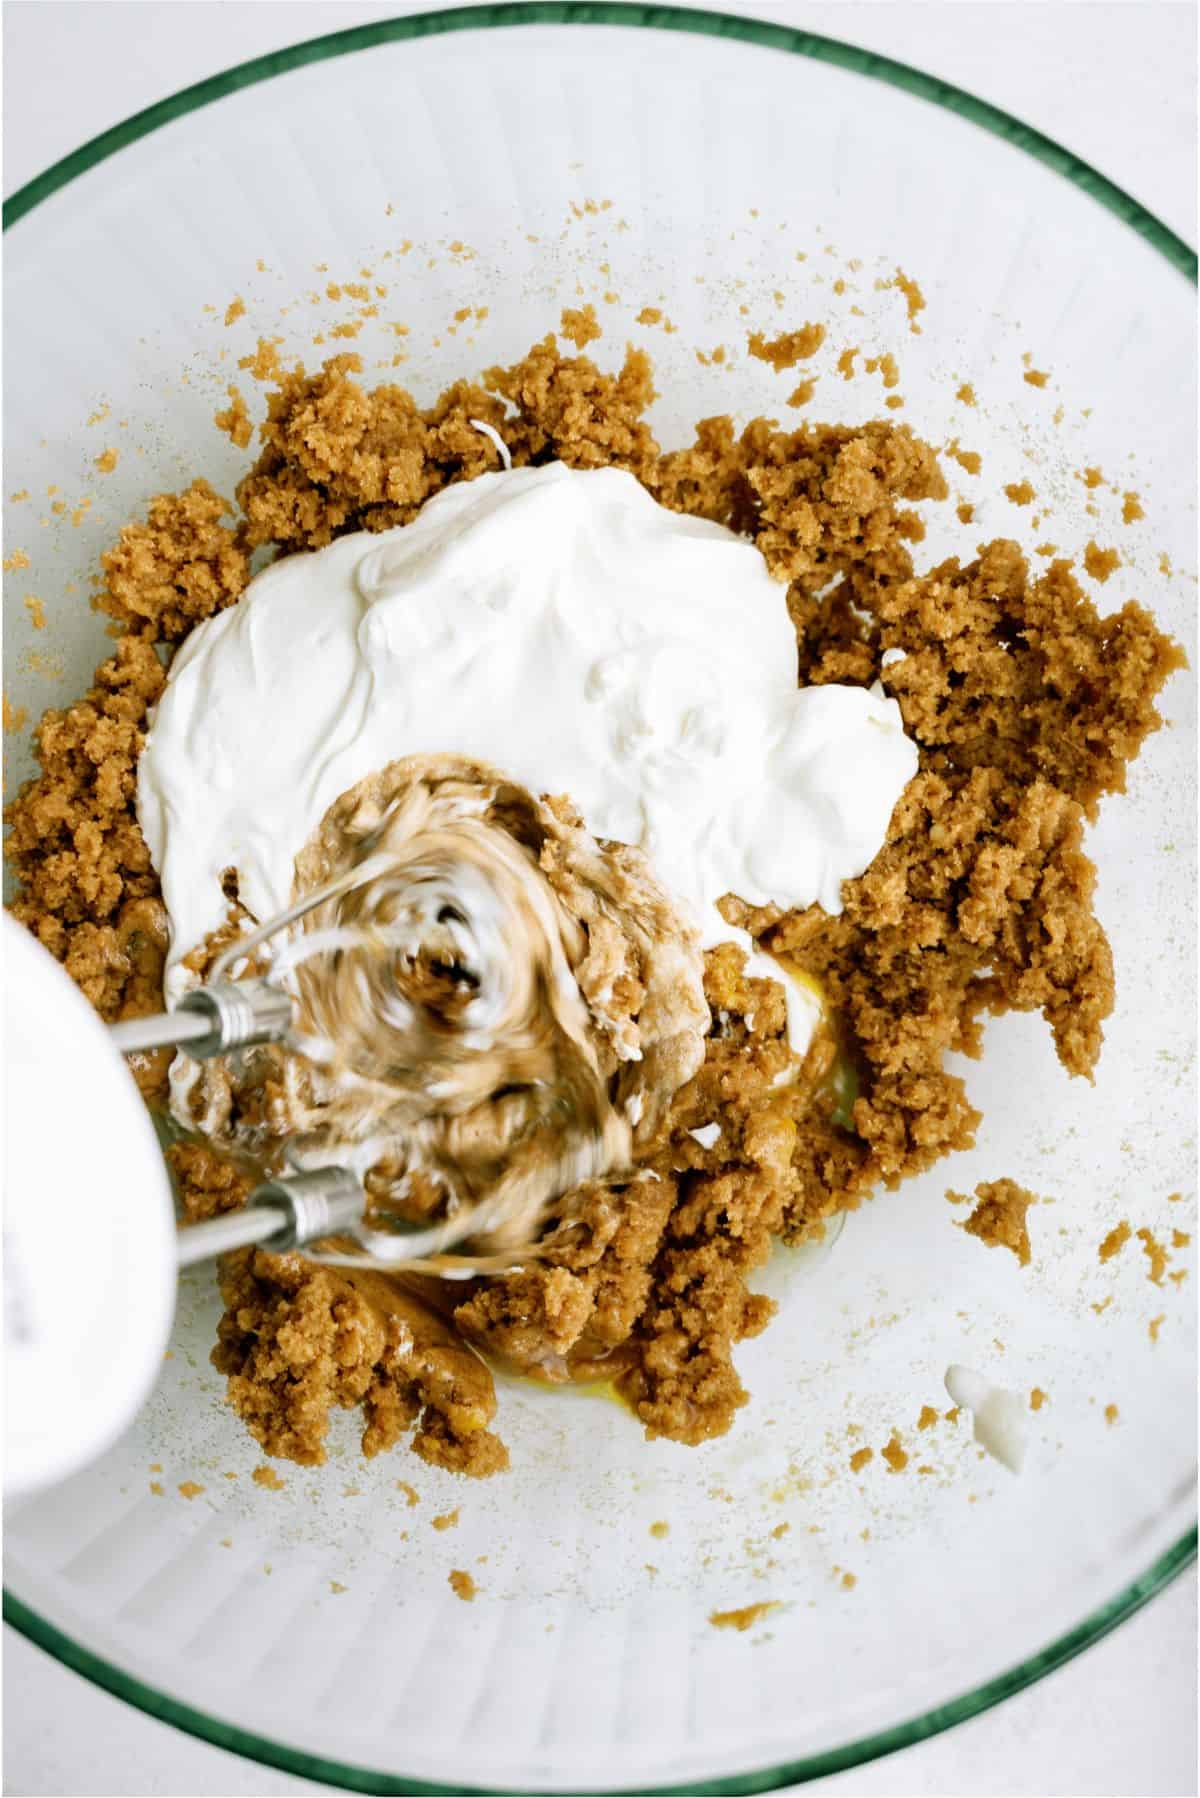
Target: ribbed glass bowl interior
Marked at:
736, 176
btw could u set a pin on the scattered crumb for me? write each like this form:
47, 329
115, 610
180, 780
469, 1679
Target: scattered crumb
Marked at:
789, 348
36, 610
1100, 1306
928, 1418
1115, 1241
1156, 1324
966, 512
951, 1416
267, 1476
849, 1581
1036, 377
1100, 563
966, 394
845, 363
859, 1459
18, 559
1037, 1398
264, 364
156, 1488
886, 365
580, 324
894, 1454
1019, 492
780, 1530
1180, 1239
337, 1586
650, 315
235, 420
108, 461
462, 1585
660, 1529
236, 309
1174, 1198
745, 1618
713, 356
1092, 477
1155, 1254
226, 1541
999, 1216
447, 1521
156, 1466
190, 1489
1164, 567
914, 299
801, 394
1111, 1414
970, 460
1047, 549
1131, 508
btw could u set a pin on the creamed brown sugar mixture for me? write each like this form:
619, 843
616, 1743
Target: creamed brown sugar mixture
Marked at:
1025, 703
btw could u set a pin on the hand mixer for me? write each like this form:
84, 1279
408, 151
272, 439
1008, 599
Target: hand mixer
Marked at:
92, 1250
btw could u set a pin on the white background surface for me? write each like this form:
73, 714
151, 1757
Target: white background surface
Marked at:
1121, 1718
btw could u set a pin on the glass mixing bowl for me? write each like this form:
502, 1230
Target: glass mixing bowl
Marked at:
531, 157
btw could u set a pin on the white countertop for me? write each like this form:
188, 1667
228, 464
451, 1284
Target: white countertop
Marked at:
1122, 1717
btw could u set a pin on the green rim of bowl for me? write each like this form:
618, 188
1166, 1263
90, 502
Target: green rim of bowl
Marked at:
912, 81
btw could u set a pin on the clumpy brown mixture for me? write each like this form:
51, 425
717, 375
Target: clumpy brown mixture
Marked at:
789, 348
999, 1216
1025, 704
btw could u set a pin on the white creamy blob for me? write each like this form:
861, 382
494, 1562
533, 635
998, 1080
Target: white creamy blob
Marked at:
999, 1416
560, 625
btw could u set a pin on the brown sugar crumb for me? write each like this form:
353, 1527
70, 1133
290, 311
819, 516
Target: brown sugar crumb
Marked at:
966, 394
928, 1418
849, 1581
264, 363
951, 1416
182, 565
1156, 1324
1037, 1398
462, 1585
970, 460
660, 1529
1131, 508
350, 328
36, 610
886, 365
1035, 377
580, 324
267, 1477
1180, 1239
15, 717
707, 359
1101, 1306
1115, 1241
1100, 563
1155, 1254
745, 1617
893, 402
650, 315
1021, 493
966, 512
1174, 1198
999, 1216
914, 299
1092, 477
156, 1487
411, 1495
208, 1184
234, 420
845, 363
894, 1454
236, 309
1046, 549
802, 393
336, 1586
447, 1521
17, 560
788, 348
107, 461
780, 1530
859, 1459
189, 1489
1111, 1414
22, 493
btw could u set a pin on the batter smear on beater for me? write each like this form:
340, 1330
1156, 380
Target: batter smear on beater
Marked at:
1023, 706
